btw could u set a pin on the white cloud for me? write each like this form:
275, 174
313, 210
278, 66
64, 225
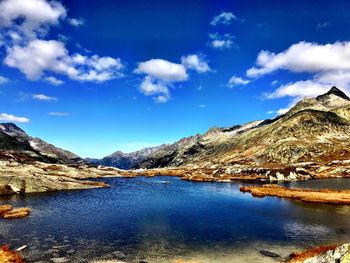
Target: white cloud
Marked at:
236, 81
43, 97
221, 41
41, 56
328, 65
304, 57
3, 80
76, 22
30, 17
299, 89
54, 81
195, 62
59, 114
224, 18
163, 70
152, 87
12, 118
202, 106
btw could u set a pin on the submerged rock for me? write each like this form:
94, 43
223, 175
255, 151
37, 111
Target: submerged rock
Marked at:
269, 254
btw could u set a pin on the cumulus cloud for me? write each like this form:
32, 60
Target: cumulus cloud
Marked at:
237, 81
299, 89
163, 70
30, 17
160, 74
153, 87
43, 97
224, 18
304, 57
328, 65
221, 41
76, 22
195, 62
41, 56
12, 118
23, 24
3, 80
54, 81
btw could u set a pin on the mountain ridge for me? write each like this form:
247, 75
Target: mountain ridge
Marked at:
331, 109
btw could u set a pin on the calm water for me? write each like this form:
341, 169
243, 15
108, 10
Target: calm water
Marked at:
163, 219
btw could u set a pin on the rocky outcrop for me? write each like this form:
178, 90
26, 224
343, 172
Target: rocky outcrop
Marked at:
37, 177
323, 254
340, 254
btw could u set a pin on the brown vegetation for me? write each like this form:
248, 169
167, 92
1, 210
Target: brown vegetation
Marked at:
299, 257
306, 195
8, 256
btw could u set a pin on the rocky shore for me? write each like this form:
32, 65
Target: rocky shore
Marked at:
35, 177
251, 172
39, 177
324, 196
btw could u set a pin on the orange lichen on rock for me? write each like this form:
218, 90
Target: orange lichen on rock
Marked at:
7, 212
4, 209
306, 195
299, 257
17, 213
8, 256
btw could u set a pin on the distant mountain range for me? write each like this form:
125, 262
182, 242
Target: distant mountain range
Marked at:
316, 129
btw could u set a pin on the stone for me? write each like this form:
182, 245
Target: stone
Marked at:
279, 176
118, 254
59, 260
269, 254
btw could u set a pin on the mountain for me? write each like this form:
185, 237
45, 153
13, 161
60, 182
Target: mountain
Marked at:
315, 129
13, 139
126, 160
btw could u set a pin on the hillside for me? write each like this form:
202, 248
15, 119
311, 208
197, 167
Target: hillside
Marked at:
16, 141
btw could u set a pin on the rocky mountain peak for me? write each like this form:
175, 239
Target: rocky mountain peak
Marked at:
333, 91
14, 131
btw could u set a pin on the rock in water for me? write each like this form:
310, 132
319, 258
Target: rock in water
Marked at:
269, 254
16, 213
6, 190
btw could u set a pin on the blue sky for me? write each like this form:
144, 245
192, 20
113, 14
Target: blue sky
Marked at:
94, 77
